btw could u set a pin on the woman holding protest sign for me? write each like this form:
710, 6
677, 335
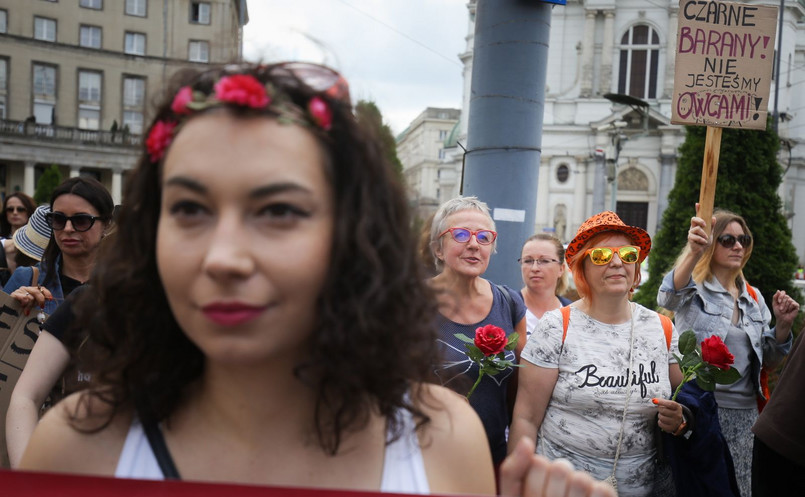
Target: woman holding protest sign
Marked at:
272, 310
708, 293
73, 225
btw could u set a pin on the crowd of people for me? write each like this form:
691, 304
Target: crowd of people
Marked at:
263, 297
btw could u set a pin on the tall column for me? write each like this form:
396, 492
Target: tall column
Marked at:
670, 52
605, 85
543, 209
28, 185
668, 141
510, 62
117, 186
587, 49
578, 211
600, 174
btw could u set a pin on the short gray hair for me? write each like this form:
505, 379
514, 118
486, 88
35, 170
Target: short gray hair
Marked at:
449, 208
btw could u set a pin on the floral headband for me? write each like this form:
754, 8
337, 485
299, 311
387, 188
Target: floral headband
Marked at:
238, 89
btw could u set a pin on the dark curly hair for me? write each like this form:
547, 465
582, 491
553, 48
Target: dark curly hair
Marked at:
374, 339
27, 202
93, 192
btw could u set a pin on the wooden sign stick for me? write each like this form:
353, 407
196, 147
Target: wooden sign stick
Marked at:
707, 192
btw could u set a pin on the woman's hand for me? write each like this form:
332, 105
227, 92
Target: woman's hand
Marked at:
524, 473
785, 311
698, 237
670, 415
30, 296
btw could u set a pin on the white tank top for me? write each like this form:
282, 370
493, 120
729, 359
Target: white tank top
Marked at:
403, 467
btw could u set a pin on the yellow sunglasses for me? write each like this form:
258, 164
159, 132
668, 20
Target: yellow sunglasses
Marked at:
600, 256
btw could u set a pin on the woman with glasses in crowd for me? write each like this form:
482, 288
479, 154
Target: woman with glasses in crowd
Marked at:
79, 215
17, 207
542, 263
263, 300
462, 241
591, 371
708, 293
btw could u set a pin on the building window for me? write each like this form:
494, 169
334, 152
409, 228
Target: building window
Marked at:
91, 4
44, 93
442, 134
200, 12
136, 7
135, 44
44, 29
562, 173
639, 62
3, 86
89, 100
441, 153
90, 37
133, 100
3, 20
199, 51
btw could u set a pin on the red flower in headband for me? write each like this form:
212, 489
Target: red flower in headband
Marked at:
242, 89
321, 113
159, 139
183, 97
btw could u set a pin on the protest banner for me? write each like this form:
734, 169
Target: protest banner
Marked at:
18, 333
722, 77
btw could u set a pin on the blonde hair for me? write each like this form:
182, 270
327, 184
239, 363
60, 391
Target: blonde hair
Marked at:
703, 271
563, 283
439, 223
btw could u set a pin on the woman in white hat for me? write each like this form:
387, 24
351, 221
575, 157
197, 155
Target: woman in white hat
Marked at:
591, 384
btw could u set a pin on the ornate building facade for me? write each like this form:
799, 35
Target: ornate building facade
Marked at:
614, 153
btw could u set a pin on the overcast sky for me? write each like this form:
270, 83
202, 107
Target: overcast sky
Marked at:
401, 54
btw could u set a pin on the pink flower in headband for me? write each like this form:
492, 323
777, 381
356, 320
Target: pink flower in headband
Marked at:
321, 113
242, 89
159, 139
183, 97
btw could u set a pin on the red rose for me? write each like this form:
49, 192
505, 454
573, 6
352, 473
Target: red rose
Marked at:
183, 97
716, 353
242, 89
321, 113
490, 339
159, 139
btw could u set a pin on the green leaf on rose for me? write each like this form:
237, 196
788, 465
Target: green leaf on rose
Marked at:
689, 361
474, 353
464, 338
687, 342
512, 341
706, 383
727, 377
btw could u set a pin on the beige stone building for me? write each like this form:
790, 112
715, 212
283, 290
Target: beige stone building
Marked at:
421, 150
77, 77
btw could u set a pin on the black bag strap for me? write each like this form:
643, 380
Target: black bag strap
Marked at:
508, 298
160, 450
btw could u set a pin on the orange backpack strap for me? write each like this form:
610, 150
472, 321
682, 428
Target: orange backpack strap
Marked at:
751, 291
565, 320
668, 328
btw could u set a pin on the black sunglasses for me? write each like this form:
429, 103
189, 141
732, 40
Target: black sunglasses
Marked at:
727, 241
17, 208
80, 222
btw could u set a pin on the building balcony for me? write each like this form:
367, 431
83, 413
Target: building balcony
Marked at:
75, 136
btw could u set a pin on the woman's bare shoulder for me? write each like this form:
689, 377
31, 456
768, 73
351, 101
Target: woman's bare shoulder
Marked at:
454, 447
77, 436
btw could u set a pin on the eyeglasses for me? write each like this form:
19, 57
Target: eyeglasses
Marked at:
18, 208
529, 262
80, 222
727, 241
463, 235
319, 78
600, 256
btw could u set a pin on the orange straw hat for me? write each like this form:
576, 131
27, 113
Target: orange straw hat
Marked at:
608, 221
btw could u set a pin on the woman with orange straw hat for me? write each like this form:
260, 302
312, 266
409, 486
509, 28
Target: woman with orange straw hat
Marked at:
595, 374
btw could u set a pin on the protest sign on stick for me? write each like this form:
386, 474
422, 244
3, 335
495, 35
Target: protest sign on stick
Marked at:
18, 333
722, 78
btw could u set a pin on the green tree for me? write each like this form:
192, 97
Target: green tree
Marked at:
368, 113
49, 180
748, 178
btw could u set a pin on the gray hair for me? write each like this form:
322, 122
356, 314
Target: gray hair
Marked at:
452, 206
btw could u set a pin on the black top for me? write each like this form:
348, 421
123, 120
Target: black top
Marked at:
58, 323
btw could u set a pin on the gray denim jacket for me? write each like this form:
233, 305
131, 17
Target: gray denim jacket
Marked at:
707, 310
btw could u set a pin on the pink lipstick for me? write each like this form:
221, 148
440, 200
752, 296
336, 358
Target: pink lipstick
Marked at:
231, 313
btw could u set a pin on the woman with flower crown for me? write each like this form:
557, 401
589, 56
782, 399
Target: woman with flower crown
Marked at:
263, 300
